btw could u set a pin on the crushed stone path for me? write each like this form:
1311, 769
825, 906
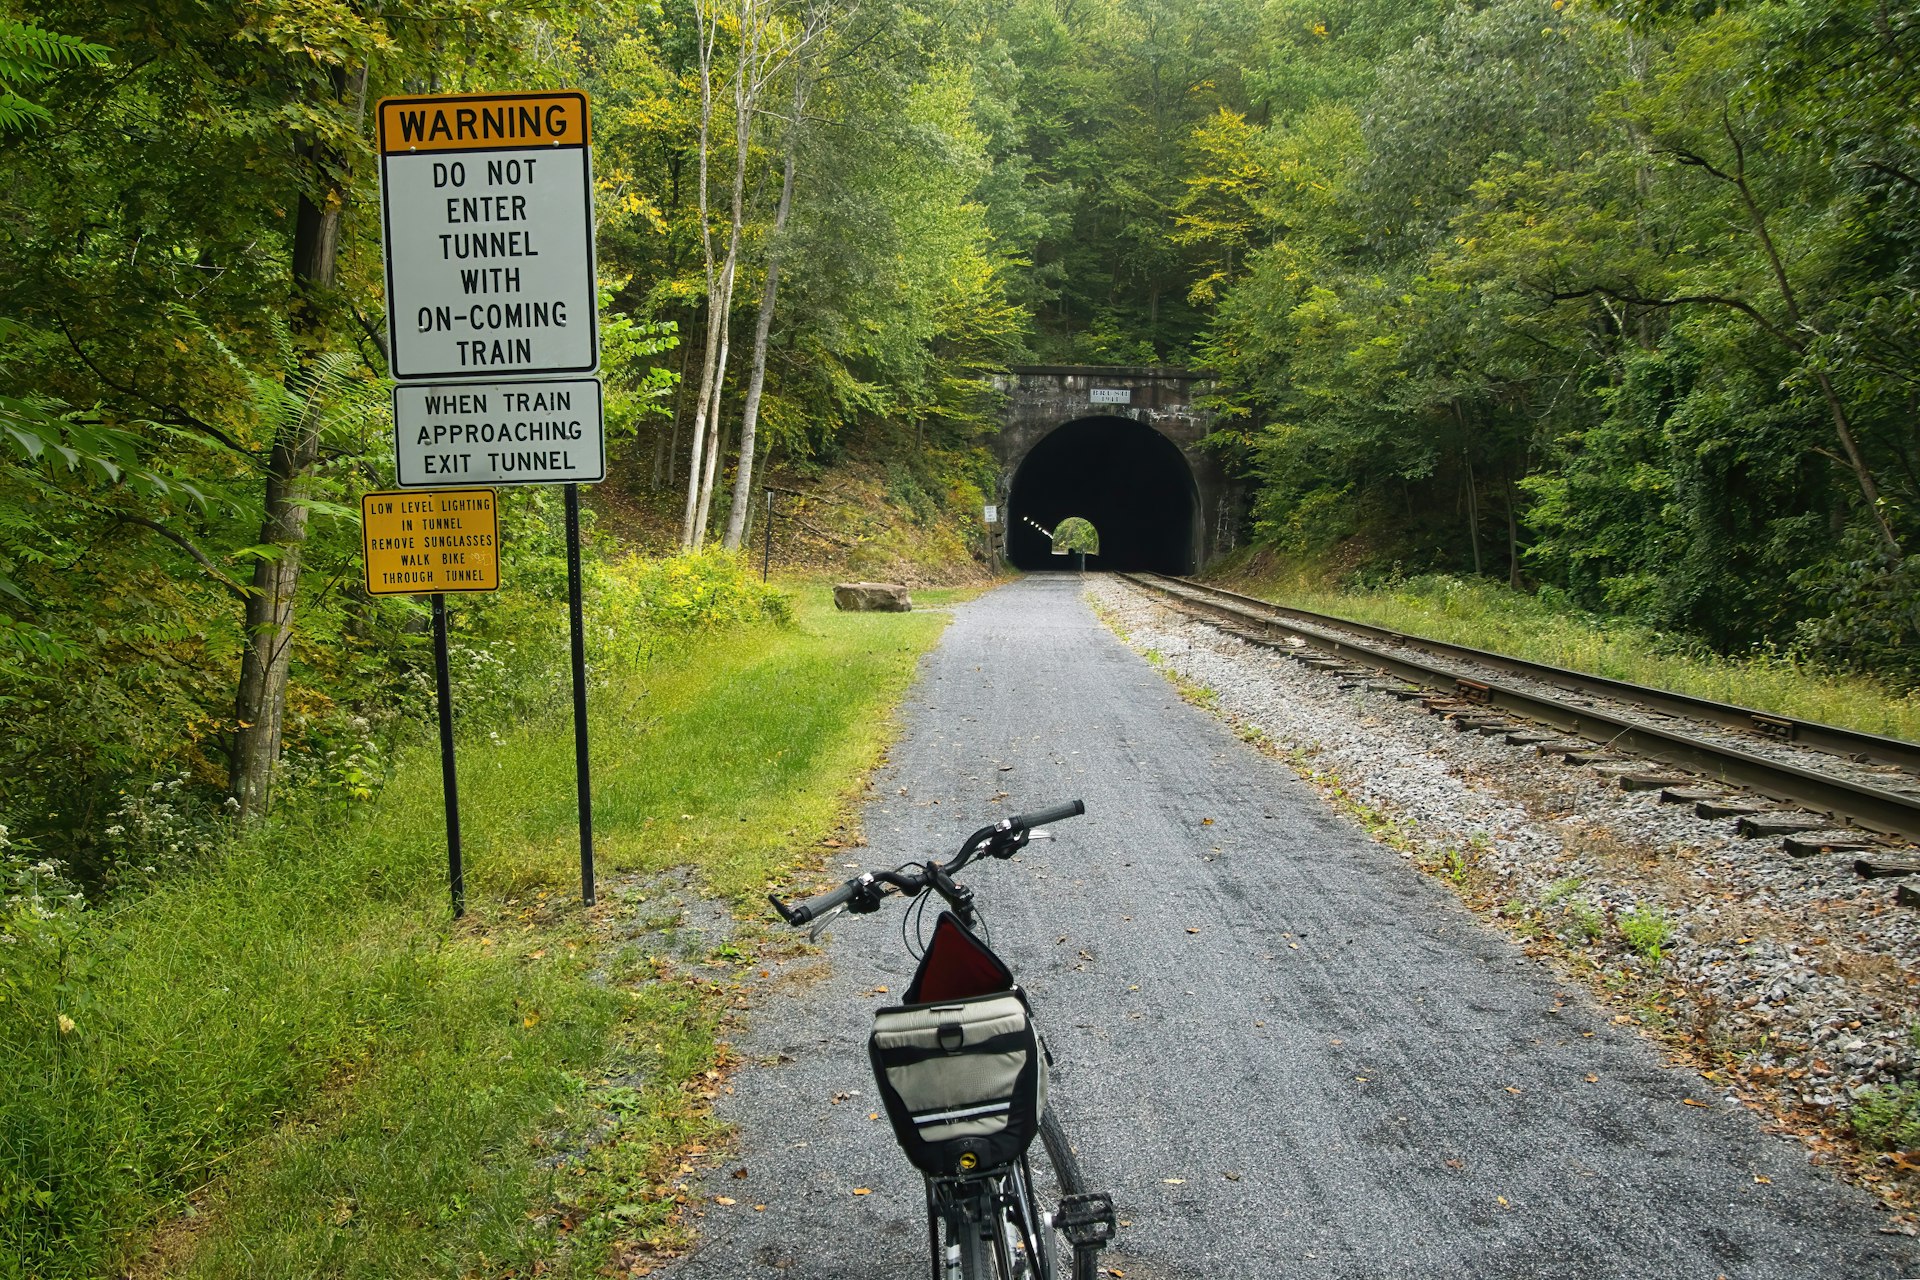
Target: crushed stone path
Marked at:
1283, 1051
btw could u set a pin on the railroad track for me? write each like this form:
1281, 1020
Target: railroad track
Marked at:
1833, 776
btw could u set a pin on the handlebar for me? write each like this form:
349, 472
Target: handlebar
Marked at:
999, 839
1055, 813
815, 907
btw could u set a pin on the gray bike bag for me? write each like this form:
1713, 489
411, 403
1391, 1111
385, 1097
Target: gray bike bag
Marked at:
961, 1078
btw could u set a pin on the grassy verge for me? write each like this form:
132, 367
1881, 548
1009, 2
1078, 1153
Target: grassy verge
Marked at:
293, 1064
1487, 615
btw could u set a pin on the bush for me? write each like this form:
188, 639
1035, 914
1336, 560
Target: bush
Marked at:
1889, 1118
692, 591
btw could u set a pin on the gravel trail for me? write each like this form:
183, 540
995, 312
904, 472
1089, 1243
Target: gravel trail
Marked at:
1284, 1051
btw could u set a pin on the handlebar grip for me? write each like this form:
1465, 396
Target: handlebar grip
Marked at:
813, 908
1041, 817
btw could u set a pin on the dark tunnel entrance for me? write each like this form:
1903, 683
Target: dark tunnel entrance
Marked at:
1130, 481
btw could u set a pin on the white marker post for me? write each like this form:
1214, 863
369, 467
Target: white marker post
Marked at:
486, 217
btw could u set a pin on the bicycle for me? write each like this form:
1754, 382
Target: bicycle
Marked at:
963, 1074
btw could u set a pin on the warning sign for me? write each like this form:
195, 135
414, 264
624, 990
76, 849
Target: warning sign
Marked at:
499, 433
422, 542
487, 222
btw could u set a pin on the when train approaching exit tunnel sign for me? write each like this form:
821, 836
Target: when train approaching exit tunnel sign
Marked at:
487, 213
426, 541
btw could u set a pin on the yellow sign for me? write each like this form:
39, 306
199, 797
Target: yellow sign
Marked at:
425, 541
483, 122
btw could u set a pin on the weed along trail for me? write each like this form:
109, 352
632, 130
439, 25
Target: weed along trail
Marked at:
1282, 1050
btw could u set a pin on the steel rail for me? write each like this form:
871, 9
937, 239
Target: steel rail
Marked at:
1807, 733
1875, 808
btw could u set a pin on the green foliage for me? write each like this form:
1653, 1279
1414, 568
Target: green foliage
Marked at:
699, 589
1076, 534
1646, 931
1615, 305
1887, 1118
30, 56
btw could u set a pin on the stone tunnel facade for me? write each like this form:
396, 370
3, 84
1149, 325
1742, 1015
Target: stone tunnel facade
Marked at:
1120, 446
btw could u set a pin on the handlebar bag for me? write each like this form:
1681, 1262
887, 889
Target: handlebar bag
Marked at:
963, 1078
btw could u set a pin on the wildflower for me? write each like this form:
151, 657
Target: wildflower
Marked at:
67, 1025
115, 831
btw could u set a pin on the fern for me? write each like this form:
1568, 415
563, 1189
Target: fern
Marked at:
30, 55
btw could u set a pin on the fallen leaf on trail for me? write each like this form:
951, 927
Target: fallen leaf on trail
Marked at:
1206, 822
1456, 1164
1193, 931
1763, 1179
1175, 1182
1361, 1079
1006, 768
1502, 1202
1115, 1271
530, 1019
862, 1191
1593, 1079
541, 954
759, 1208
1231, 1177
1624, 1017
741, 1172
1259, 1024
1511, 1089
1336, 1042
880, 991
1293, 946
724, 1200
1695, 1102
873, 1115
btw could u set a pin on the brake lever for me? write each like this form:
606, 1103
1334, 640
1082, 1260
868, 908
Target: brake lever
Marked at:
1039, 833
820, 923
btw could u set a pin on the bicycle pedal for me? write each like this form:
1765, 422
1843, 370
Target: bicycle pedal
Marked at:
1087, 1220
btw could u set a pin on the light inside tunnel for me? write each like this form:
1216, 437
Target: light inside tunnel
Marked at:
1122, 477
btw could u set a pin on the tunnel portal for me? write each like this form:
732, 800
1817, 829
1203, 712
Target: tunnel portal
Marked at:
1130, 481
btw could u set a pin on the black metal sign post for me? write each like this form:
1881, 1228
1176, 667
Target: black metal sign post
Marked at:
449, 784
582, 777
391, 525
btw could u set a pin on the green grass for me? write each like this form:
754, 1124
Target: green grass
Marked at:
292, 1063
1487, 615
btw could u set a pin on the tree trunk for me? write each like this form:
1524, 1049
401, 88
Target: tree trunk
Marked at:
762, 328
260, 704
708, 35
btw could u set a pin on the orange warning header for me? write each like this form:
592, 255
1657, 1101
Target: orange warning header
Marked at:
483, 122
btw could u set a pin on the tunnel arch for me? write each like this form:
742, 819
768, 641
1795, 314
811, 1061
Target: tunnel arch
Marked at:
1131, 482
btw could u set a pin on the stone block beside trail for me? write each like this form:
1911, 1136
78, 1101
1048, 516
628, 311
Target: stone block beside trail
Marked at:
871, 597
